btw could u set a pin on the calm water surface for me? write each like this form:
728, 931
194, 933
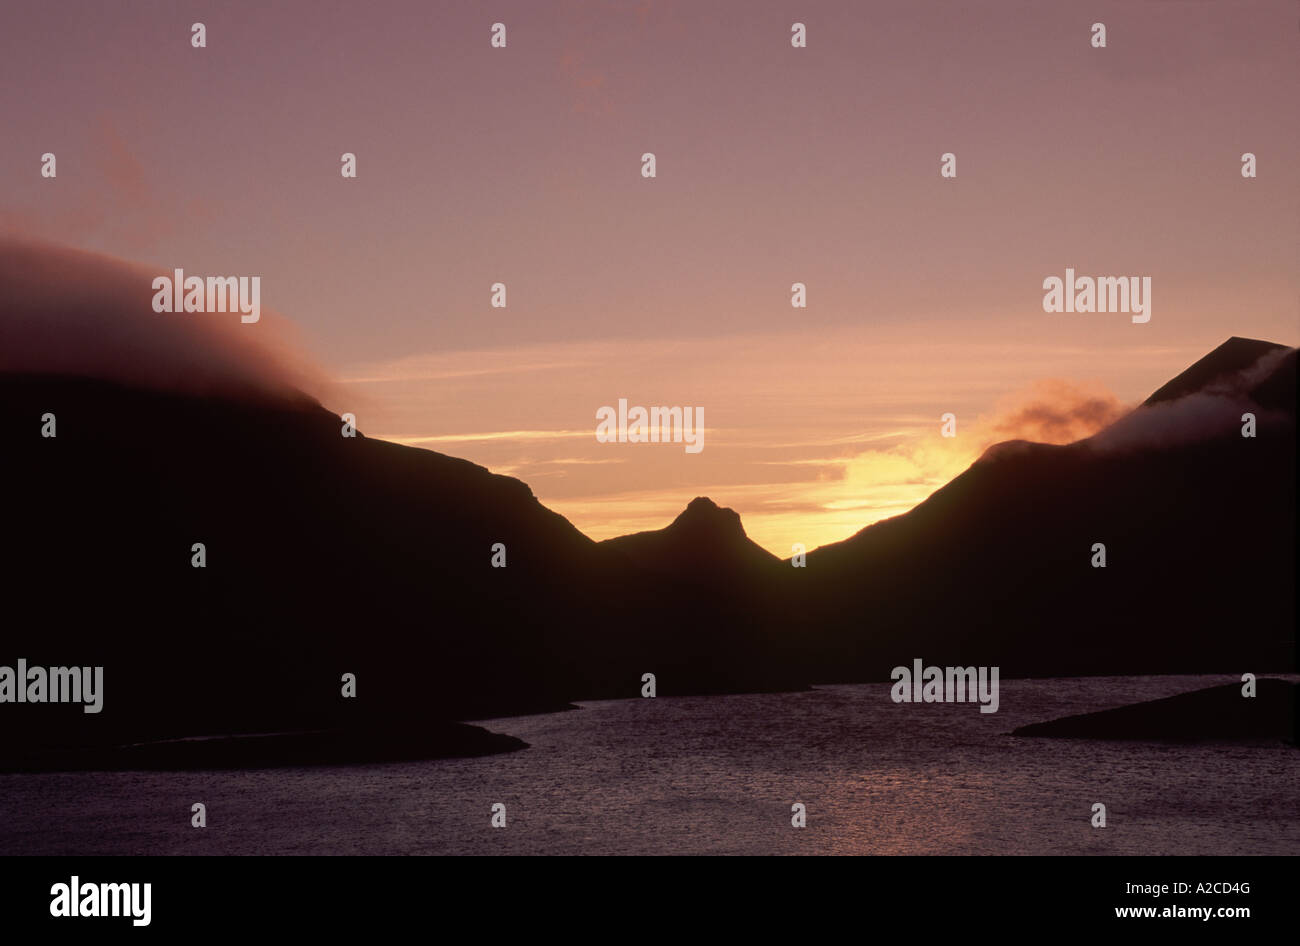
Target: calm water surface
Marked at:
717, 775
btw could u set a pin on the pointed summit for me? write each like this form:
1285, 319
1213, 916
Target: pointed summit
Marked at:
704, 535
1233, 356
704, 515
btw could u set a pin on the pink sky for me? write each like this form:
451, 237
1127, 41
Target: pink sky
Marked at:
775, 165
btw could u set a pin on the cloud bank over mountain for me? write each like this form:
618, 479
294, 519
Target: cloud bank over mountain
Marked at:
1173, 418
70, 312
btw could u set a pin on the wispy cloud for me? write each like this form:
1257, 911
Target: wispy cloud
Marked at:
1057, 411
114, 200
519, 435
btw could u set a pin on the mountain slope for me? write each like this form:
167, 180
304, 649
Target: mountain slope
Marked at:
996, 567
325, 555
1232, 357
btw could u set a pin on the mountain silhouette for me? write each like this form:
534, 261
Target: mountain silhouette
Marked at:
723, 615
995, 568
329, 555
325, 555
704, 539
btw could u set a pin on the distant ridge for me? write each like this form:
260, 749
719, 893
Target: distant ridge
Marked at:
703, 535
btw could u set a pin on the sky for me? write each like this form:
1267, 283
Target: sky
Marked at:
774, 165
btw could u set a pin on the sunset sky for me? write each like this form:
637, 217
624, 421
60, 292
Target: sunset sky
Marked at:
775, 165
